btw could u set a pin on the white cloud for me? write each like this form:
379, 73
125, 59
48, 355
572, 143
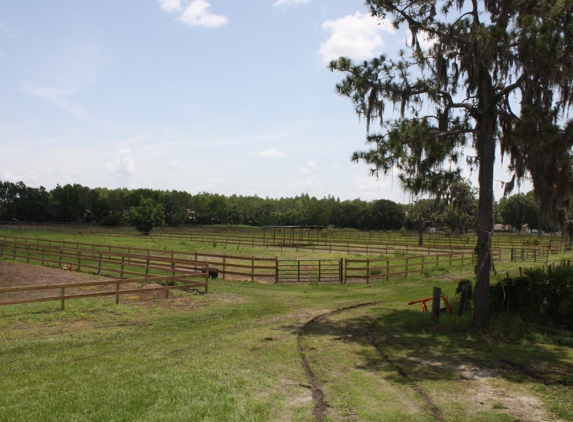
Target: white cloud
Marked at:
335, 165
125, 163
270, 153
196, 13
170, 5
309, 167
290, 2
356, 36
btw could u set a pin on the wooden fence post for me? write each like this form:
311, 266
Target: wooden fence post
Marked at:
121, 270
464, 299
367, 271
99, 265
276, 270
436, 304
60, 262
79, 260
224, 265
117, 294
387, 269
207, 279
252, 268
63, 306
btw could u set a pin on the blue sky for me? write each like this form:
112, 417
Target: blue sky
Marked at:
229, 97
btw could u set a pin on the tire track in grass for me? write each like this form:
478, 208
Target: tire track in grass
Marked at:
433, 408
317, 394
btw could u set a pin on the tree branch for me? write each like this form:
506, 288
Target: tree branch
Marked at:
457, 132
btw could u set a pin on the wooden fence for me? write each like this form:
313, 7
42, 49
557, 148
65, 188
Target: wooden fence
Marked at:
69, 291
253, 235
351, 242
332, 246
383, 269
130, 260
173, 272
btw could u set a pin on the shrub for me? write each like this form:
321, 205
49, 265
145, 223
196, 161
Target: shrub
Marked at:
542, 295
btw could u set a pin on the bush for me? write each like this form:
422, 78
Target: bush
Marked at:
542, 295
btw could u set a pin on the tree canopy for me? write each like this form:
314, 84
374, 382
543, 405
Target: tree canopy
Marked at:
110, 207
498, 73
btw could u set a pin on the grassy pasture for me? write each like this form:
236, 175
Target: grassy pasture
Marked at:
234, 355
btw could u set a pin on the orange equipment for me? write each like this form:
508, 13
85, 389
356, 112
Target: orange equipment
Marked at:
424, 307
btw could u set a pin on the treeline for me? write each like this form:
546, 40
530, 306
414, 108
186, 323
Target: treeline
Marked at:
74, 203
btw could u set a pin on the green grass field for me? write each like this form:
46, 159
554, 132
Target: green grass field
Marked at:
236, 354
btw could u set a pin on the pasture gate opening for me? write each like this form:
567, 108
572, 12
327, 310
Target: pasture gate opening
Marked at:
310, 270
529, 254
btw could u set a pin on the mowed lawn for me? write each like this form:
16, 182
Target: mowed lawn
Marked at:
237, 353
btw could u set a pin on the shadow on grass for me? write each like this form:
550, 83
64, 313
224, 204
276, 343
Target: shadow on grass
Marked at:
449, 350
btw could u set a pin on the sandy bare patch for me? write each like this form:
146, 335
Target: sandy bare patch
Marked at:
482, 389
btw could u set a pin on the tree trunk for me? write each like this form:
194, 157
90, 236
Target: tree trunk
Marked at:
486, 153
421, 236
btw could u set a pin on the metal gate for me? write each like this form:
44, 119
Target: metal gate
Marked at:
529, 254
310, 270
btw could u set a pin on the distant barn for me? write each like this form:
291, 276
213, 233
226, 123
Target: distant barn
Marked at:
293, 235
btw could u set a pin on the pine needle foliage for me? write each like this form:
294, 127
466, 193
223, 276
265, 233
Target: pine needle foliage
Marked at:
498, 73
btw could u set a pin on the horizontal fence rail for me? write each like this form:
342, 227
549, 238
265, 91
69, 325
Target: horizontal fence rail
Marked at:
383, 269
69, 291
122, 261
127, 260
254, 235
333, 241
372, 247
